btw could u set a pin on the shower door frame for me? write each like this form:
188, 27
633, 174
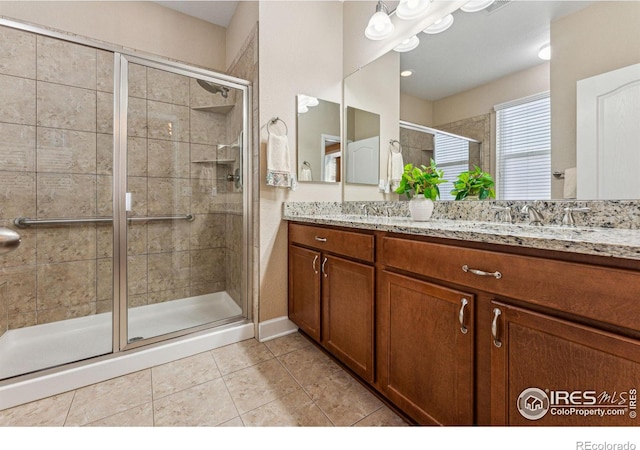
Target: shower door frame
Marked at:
120, 114
119, 222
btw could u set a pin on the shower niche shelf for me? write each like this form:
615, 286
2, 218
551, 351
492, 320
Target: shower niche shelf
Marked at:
218, 109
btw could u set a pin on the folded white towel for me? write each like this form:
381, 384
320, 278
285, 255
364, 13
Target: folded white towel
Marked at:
305, 174
570, 186
278, 165
395, 169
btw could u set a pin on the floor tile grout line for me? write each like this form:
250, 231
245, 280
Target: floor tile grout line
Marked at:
306, 392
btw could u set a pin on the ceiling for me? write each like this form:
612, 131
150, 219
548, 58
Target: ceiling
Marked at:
217, 12
482, 46
478, 48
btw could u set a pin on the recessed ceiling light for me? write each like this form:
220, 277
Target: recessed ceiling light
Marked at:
406, 73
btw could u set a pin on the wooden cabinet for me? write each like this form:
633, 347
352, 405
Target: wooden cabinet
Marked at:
304, 289
551, 372
331, 292
471, 334
425, 349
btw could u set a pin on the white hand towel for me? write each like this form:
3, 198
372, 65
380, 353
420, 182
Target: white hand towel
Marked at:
278, 165
395, 169
570, 186
305, 174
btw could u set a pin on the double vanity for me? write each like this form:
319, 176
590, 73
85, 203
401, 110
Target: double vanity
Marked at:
468, 319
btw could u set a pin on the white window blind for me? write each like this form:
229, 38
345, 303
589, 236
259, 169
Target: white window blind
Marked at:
452, 156
523, 148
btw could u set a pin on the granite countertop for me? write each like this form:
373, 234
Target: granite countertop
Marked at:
612, 242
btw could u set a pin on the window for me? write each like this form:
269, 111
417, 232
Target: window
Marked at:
523, 148
452, 156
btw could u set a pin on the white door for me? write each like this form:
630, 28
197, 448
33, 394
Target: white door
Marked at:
363, 161
608, 135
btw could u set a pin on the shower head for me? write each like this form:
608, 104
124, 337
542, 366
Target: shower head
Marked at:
214, 88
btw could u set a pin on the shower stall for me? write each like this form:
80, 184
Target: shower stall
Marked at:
127, 178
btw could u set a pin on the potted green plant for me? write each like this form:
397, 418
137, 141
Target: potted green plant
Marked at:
474, 184
420, 185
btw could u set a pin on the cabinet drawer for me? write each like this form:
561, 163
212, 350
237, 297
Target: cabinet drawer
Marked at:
348, 243
603, 294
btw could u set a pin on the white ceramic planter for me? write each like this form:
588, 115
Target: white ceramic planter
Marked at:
421, 208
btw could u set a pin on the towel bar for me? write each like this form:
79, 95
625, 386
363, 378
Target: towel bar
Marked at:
23, 222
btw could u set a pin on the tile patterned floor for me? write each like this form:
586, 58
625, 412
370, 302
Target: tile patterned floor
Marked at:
283, 382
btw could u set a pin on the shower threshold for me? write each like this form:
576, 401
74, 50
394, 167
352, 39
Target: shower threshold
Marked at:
38, 347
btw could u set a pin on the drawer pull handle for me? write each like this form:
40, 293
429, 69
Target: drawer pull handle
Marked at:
482, 273
494, 327
324, 262
464, 303
321, 239
314, 264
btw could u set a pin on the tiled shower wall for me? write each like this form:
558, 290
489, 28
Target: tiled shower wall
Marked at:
417, 147
56, 124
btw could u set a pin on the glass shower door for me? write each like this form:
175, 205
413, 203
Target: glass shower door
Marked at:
56, 151
184, 202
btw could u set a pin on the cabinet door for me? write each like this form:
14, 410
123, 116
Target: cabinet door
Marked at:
348, 302
304, 289
425, 349
551, 372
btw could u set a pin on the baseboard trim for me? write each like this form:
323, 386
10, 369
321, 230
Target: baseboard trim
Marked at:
275, 328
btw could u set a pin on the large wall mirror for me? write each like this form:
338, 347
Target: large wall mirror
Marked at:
489, 59
319, 149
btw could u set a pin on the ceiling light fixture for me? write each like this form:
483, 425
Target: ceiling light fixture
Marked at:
476, 5
408, 44
380, 26
406, 73
305, 102
440, 25
412, 9
545, 52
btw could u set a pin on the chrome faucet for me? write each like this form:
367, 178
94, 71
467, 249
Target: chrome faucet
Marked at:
535, 217
364, 209
568, 215
507, 217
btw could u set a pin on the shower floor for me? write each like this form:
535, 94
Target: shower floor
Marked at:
38, 347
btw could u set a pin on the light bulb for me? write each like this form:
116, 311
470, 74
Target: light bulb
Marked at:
476, 5
440, 25
412, 9
408, 44
379, 27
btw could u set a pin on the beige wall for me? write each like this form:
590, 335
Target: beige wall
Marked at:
416, 110
598, 39
144, 26
481, 100
300, 52
242, 23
